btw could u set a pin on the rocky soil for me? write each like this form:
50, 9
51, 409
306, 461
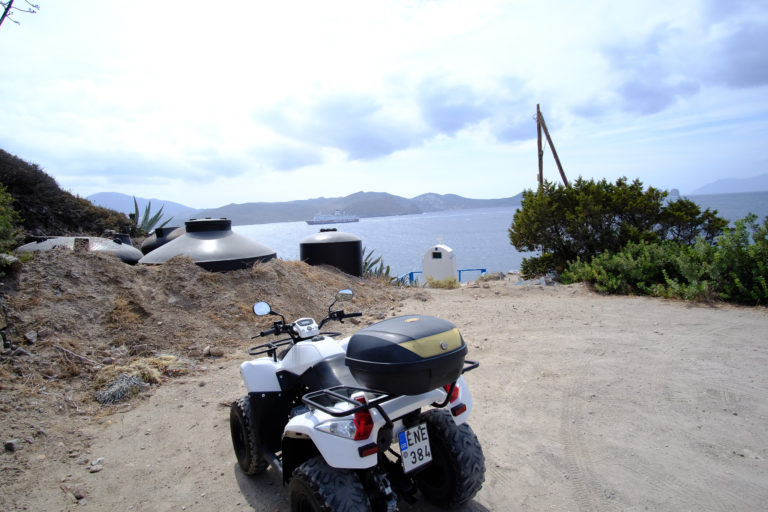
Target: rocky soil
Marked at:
582, 402
75, 324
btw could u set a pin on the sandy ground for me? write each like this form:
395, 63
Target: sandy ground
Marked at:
582, 402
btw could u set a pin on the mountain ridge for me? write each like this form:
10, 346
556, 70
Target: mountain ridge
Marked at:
735, 185
124, 203
361, 204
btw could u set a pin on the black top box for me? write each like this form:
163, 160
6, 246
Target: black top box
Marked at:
406, 355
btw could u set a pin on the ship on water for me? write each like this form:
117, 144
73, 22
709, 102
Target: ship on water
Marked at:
338, 217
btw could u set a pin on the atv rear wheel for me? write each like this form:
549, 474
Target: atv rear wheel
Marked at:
457, 470
317, 487
244, 438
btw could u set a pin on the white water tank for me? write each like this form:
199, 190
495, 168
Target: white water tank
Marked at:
439, 263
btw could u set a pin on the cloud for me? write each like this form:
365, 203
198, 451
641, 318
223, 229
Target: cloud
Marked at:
515, 130
650, 97
449, 108
722, 9
287, 157
123, 166
653, 72
593, 108
651, 80
357, 124
741, 60
211, 163
365, 127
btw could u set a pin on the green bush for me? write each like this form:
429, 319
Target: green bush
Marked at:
734, 269
10, 231
590, 218
740, 262
538, 265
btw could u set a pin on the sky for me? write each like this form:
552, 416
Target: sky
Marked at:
208, 104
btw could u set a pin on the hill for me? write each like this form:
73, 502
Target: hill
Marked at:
48, 210
120, 202
437, 202
735, 185
361, 204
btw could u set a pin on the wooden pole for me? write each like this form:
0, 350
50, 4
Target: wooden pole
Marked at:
541, 151
8, 7
543, 125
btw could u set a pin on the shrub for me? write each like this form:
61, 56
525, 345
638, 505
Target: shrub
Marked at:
538, 265
46, 209
637, 267
590, 218
10, 232
734, 269
740, 262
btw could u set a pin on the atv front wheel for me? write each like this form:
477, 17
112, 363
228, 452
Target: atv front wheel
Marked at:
317, 487
244, 439
457, 470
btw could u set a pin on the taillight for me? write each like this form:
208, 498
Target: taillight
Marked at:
363, 422
357, 428
454, 393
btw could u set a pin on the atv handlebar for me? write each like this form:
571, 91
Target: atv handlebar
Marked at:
339, 315
279, 328
282, 328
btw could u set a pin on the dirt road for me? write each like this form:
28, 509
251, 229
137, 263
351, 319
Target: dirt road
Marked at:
582, 402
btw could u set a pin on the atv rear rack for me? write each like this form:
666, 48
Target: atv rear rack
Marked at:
333, 395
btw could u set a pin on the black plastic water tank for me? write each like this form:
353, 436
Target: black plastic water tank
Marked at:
160, 237
330, 247
213, 245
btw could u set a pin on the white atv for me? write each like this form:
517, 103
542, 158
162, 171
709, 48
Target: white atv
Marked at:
327, 413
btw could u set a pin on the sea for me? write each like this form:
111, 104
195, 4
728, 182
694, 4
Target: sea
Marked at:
479, 237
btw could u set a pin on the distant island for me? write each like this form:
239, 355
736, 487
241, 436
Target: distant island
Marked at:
359, 204
735, 185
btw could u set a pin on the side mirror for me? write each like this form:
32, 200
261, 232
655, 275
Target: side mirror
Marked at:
344, 295
261, 309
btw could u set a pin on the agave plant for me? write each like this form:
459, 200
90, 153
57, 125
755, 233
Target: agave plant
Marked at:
374, 267
147, 223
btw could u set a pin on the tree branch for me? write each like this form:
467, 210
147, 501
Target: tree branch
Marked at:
32, 9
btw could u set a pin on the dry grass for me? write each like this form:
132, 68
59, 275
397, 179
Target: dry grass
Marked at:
126, 312
449, 283
149, 369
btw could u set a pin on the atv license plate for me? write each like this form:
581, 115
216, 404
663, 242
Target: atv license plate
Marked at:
414, 447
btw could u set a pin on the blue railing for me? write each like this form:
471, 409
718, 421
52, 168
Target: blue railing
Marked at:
481, 270
410, 277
